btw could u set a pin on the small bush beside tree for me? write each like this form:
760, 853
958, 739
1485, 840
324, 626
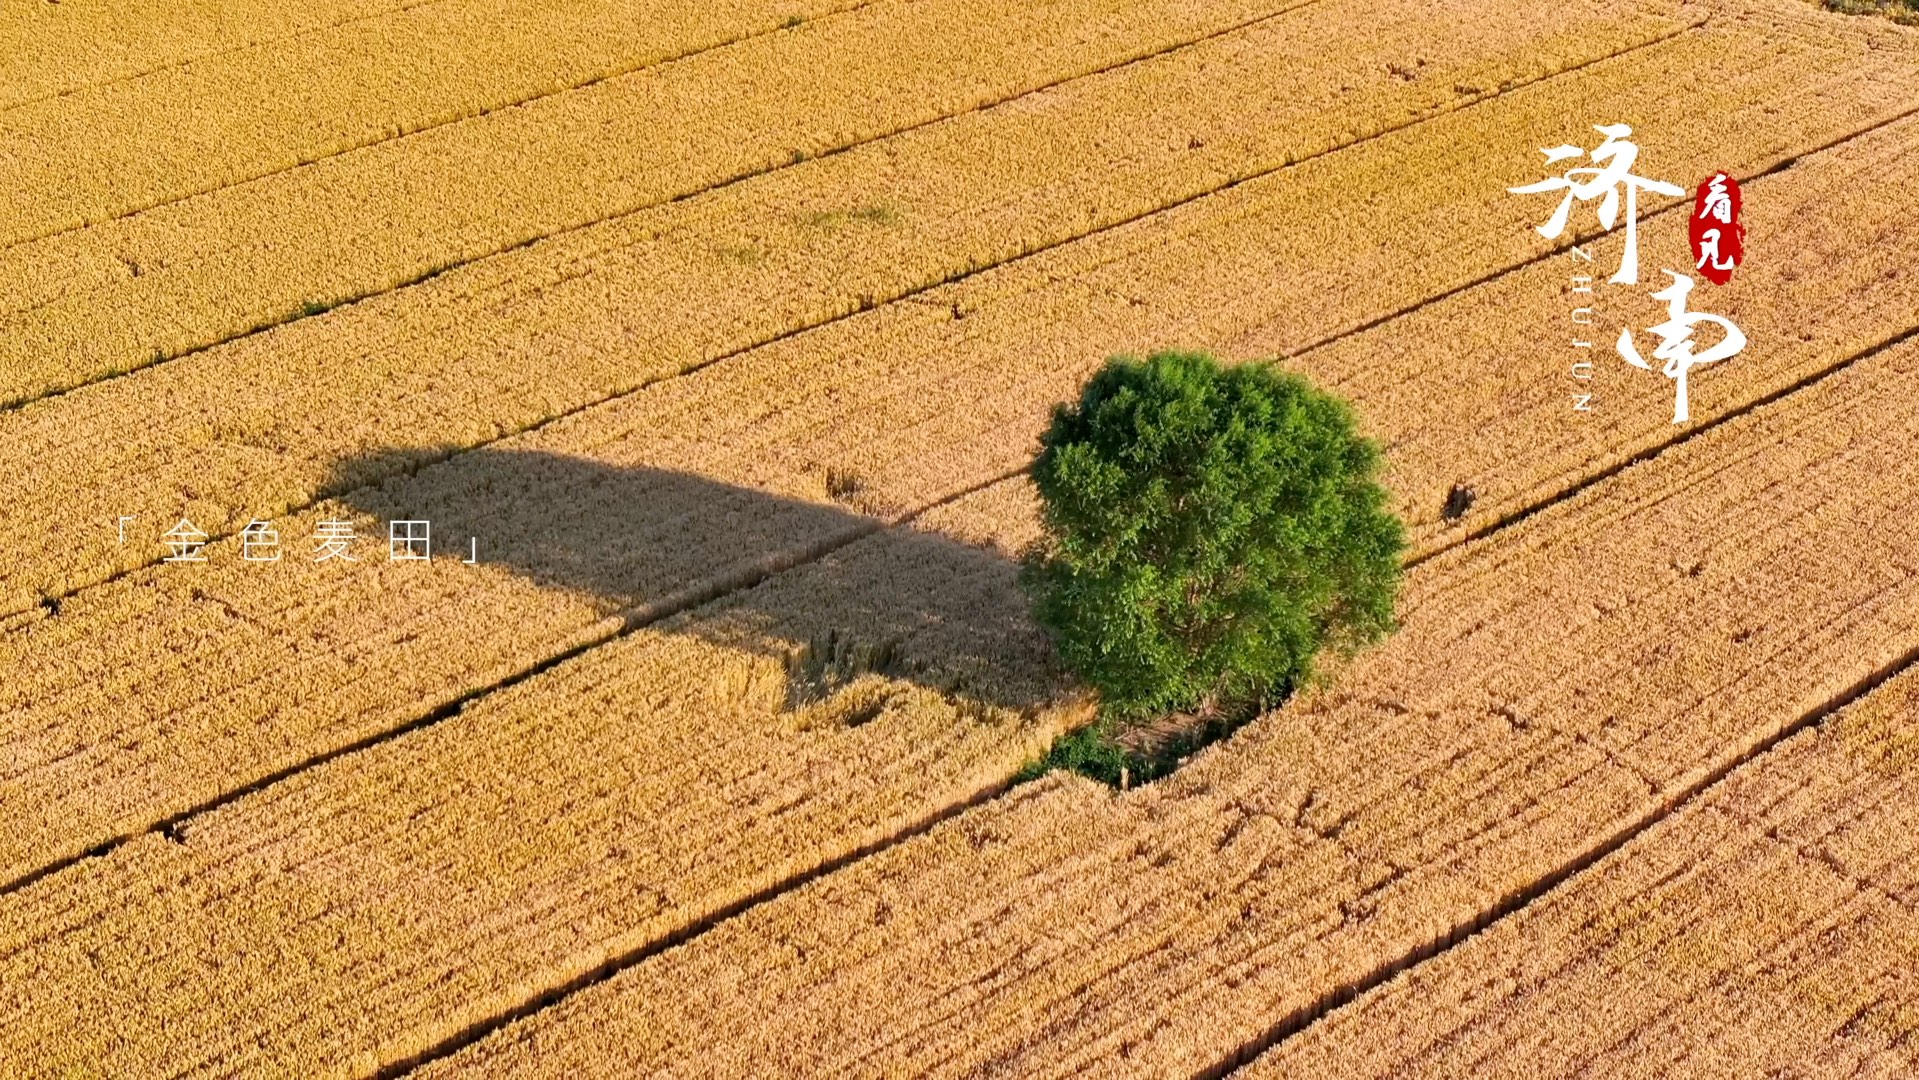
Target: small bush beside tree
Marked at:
1209, 530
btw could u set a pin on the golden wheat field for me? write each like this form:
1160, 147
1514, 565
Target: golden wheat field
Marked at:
512, 519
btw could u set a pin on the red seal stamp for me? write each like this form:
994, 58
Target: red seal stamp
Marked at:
1718, 239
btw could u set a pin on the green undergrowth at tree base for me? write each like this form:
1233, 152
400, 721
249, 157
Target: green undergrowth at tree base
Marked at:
1090, 751
1121, 754
1899, 11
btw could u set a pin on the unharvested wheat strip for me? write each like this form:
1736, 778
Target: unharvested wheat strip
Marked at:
244, 671
1555, 686
1767, 930
48, 49
363, 912
649, 295
189, 274
117, 147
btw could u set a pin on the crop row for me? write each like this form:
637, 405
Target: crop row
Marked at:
192, 273
55, 49
241, 671
123, 145
1554, 689
1766, 930
539, 906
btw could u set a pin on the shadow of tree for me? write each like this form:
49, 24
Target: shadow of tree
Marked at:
836, 595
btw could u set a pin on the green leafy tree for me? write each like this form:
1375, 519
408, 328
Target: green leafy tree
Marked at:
1209, 530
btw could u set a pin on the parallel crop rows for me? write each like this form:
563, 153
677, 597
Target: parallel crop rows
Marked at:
193, 273
785, 581
227, 673
512, 341
380, 903
1555, 687
1767, 930
55, 49
117, 147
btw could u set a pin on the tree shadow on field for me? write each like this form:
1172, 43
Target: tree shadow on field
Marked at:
831, 592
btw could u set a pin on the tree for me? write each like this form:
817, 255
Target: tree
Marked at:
1210, 530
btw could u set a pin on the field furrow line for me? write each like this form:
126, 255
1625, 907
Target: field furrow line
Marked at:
154, 287
1766, 928
713, 716
251, 670
1678, 801
98, 154
1530, 712
53, 50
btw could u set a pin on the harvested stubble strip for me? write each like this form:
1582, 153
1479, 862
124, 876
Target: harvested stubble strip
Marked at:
118, 147
171, 686
79, 305
362, 912
1556, 686
1766, 930
49, 49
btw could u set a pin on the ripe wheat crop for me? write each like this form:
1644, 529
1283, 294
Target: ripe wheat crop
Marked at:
365, 910
235, 668
122, 145
741, 665
190, 274
1764, 930
1566, 680
58, 49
